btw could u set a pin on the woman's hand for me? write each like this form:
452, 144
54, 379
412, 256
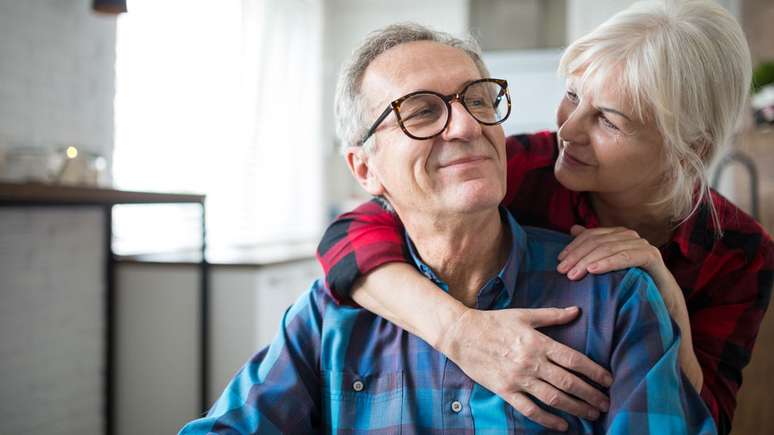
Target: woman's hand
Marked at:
602, 250
502, 351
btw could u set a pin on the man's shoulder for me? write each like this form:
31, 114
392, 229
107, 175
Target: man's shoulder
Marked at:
318, 303
544, 246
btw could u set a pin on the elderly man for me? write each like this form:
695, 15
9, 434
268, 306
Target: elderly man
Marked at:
435, 154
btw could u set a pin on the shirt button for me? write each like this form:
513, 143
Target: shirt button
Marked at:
358, 386
456, 406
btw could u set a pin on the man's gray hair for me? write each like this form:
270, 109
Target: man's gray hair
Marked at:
351, 111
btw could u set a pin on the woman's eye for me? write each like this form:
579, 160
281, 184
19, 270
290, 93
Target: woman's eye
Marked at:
606, 122
572, 96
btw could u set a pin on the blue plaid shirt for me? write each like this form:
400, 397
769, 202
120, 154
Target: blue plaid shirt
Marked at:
335, 368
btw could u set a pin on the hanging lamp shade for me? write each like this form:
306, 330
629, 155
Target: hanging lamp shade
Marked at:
109, 6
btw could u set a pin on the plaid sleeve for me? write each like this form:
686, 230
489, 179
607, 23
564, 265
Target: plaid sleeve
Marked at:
649, 393
278, 390
357, 243
725, 325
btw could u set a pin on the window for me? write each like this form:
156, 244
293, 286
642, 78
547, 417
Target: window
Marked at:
221, 98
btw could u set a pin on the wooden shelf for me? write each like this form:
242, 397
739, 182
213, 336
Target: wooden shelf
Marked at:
39, 193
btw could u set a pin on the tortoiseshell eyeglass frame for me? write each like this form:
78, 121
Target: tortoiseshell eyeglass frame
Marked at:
448, 99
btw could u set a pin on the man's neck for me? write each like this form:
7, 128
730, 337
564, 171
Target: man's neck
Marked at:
463, 251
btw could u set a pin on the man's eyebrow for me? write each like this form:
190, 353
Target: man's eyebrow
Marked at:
611, 110
459, 89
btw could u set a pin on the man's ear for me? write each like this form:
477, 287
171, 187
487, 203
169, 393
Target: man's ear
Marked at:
358, 162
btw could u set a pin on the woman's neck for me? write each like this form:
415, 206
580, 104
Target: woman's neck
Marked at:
652, 222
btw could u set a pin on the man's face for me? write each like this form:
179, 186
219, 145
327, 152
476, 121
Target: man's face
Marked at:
462, 169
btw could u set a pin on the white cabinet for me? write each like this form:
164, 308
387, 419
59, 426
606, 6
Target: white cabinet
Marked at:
157, 351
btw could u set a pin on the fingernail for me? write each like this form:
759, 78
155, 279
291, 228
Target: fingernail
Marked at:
573, 273
593, 267
593, 414
571, 308
561, 255
563, 427
562, 267
608, 380
605, 406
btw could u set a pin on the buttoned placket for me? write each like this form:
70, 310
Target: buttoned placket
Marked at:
456, 390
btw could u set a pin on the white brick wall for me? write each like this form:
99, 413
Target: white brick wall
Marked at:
57, 75
51, 321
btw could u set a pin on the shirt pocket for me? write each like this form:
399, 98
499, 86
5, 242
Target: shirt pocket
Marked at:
354, 402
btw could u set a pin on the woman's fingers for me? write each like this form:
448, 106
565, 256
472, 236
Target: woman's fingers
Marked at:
552, 396
503, 351
582, 237
641, 257
587, 242
571, 359
572, 384
576, 229
628, 253
529, 409
542, 317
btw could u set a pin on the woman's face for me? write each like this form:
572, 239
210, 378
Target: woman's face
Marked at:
604, 147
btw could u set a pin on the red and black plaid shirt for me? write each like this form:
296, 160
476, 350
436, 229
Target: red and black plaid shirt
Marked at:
727, 282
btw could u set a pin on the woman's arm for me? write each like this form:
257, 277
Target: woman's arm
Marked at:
356, 243
500, 349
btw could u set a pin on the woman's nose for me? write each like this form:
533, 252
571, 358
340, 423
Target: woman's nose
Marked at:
574, 124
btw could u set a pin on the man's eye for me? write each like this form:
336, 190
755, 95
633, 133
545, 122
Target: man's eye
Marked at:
421, 113
477, 102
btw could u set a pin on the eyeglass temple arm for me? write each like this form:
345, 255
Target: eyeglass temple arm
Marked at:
376, 124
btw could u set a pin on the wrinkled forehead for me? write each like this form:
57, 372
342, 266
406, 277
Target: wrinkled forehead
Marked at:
415, 66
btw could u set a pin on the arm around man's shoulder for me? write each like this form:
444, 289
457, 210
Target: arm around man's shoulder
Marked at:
278, 389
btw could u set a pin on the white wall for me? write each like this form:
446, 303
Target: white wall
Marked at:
584, 15
56, 75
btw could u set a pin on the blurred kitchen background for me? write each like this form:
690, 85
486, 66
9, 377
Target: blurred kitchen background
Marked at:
130, 134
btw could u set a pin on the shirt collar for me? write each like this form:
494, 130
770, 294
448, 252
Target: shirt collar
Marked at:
499, 290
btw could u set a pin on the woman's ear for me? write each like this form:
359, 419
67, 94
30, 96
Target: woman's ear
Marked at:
359, 163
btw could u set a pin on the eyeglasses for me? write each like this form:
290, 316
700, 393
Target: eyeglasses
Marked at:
425, 114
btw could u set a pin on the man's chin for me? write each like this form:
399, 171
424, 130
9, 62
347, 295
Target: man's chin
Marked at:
471, 198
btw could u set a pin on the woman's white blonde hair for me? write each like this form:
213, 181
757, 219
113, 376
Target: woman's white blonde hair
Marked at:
684, 64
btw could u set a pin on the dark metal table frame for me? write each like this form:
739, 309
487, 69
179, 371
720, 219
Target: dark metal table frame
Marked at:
42, 195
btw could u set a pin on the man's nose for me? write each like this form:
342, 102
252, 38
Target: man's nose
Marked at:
462, 125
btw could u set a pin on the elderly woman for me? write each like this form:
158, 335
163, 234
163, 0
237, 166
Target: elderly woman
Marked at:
652, 95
